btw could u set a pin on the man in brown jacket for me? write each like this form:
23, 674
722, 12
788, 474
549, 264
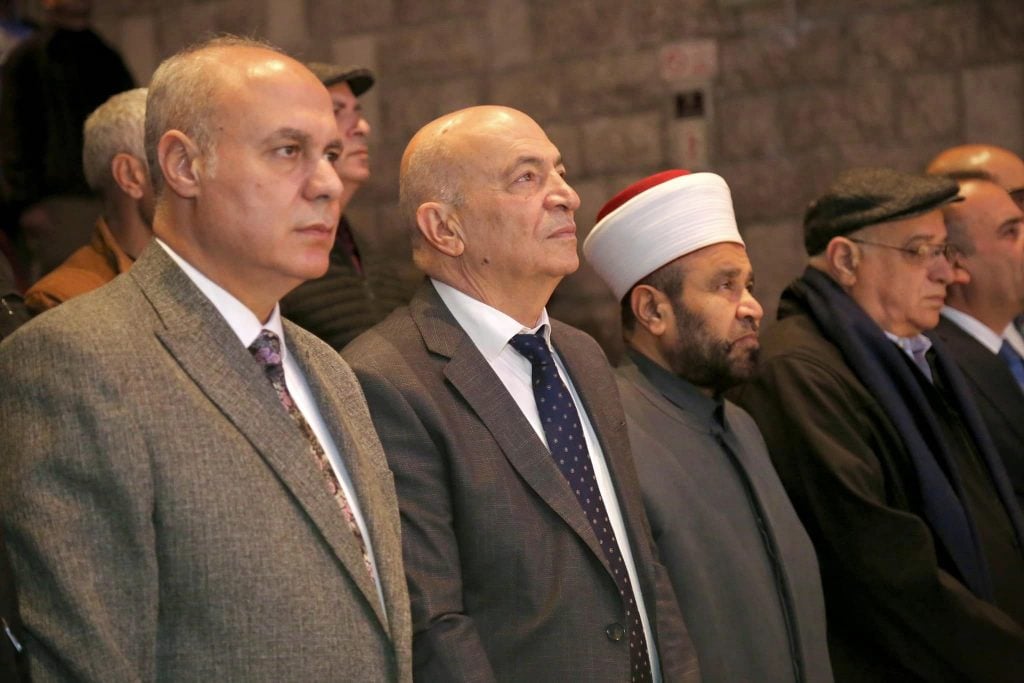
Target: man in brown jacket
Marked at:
115, 167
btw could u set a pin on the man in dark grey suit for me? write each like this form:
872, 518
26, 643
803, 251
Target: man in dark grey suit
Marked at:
522, 566
180, 507
989, 229
978, 322
741, 563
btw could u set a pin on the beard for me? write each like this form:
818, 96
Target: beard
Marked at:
706, 360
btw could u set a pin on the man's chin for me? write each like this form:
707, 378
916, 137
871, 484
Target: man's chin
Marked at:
355, 172
743, 367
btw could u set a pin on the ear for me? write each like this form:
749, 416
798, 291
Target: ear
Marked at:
651, 308
179, 160
441, 228
843, 257
130, 174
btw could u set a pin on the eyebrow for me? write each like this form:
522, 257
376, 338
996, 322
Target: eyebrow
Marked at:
302, 137
922, 237
729, 272
287, 133
530, 160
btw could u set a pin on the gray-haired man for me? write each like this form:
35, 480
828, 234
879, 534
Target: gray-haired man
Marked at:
114, 160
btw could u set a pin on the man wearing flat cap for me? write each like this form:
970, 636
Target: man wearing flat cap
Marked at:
887, 461
741, 563
351, 297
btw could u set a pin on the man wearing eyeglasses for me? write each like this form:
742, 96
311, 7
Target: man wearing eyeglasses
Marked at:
881, 448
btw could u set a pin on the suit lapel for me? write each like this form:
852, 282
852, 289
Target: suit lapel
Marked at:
476, 381
209, 352
987, 373
595, 385
328, 393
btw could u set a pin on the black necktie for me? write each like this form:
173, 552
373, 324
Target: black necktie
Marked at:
564, 432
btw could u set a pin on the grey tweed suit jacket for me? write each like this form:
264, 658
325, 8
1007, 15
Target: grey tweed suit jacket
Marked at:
165, 517
506, 576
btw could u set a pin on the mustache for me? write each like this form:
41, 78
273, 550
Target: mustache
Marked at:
750, 326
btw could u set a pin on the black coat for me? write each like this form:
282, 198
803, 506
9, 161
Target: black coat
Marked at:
896, 608
997, 395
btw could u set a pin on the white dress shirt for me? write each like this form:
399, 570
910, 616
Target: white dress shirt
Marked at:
915, 347
247, 327
1014, 338
490, 331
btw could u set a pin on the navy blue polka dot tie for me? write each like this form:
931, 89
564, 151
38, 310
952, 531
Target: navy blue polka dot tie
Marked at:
564, 433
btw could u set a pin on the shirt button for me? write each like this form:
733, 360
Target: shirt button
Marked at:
615, 632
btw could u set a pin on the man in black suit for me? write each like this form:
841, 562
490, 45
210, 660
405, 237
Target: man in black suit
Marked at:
989, 229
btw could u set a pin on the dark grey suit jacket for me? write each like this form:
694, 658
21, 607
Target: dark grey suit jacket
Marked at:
996, 393
742, 565
165, 517
506, 576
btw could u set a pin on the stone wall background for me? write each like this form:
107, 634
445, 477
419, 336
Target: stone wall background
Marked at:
803, 89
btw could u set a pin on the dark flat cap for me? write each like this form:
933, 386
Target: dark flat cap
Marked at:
359, 78
865, 196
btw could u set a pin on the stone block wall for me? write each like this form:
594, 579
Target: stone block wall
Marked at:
799, 90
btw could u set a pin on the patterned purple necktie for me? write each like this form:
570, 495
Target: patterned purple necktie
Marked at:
564, 432
267, 352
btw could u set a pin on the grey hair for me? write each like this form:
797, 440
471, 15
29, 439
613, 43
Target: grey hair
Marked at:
115, 127
182, 96
430, 173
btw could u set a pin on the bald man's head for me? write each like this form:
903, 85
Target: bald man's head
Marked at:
187, 88
444, 152
989, 228
982, 162
484, 192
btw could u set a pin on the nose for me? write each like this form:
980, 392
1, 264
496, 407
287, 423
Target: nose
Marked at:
324, 183
750, 307
363, 127
562, 194
960, 275
950, 273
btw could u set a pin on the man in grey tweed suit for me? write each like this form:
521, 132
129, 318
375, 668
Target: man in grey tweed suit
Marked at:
510, 575
171, 516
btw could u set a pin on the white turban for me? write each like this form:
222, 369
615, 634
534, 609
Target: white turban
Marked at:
655, 221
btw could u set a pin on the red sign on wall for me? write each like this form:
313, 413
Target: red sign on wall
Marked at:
689, 60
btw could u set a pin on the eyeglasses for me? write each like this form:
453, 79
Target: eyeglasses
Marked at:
922, 252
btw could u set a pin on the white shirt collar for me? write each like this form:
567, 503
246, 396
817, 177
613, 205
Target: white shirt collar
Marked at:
1014, 339
974, 327
918, 344
487, 327
239, 317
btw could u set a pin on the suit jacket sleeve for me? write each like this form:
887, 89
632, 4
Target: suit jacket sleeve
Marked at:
446, 645
829, 454
72, 471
